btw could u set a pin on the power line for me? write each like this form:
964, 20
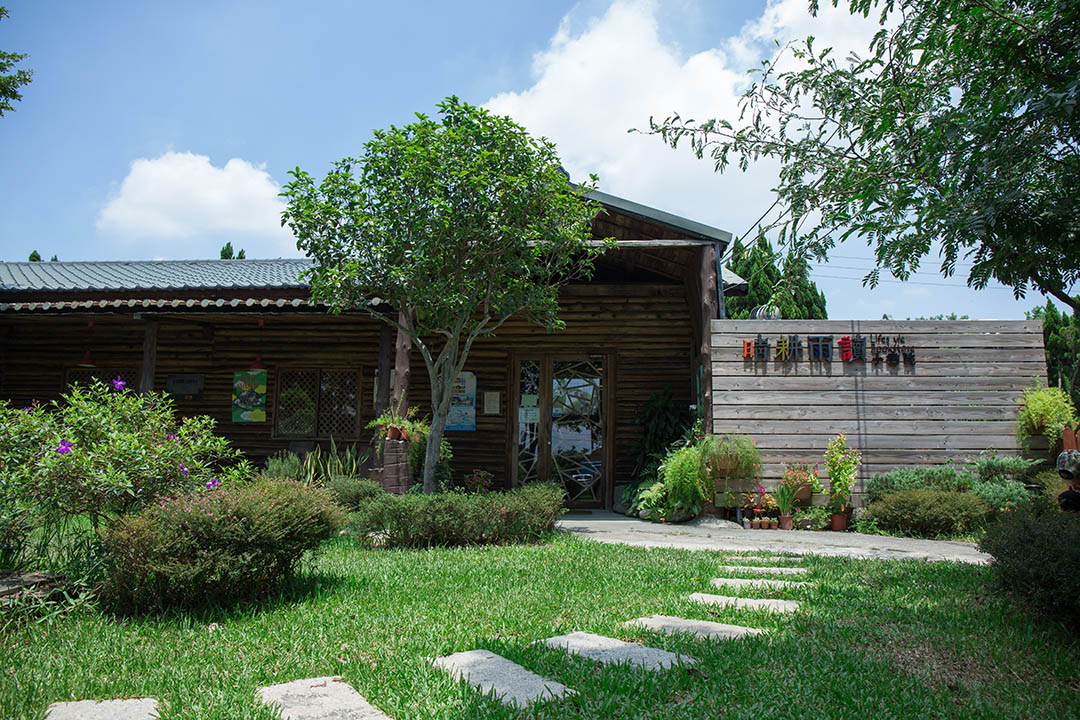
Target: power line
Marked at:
914, 282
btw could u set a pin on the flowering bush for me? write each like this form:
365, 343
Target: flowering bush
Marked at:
842, 466
104, 449
214, 545
478, 481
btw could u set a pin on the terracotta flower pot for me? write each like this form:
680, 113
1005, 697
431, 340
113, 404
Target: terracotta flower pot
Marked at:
756, 524
773, 523
393, 432
786, 522
839, 522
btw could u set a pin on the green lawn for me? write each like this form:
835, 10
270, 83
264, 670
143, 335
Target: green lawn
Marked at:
877, 639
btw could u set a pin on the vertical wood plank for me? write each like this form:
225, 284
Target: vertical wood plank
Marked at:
149, 356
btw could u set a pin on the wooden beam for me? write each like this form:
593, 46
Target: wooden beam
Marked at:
149, 356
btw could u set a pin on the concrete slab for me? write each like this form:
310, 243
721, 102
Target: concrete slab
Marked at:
701, 628
756, 583
129, 709
778, 606
754, 559
755, 570
609, 650
609, 527
512, 684
321, 698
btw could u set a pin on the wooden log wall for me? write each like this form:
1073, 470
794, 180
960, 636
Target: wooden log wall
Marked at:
959, 398
646, 328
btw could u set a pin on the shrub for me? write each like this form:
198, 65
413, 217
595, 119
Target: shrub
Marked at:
940, 477
283, 465
929, 513
1037, 555
523, 514
1044, 411
418, 436
681, 490
1051, 483
353, 492
102, 450
1000, 469
842, 467
1002, 496
221, 545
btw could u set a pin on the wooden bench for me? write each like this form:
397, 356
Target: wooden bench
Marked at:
1070, 439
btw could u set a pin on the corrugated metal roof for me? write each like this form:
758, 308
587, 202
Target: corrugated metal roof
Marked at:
152, 275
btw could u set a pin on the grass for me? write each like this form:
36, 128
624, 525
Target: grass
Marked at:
880, 639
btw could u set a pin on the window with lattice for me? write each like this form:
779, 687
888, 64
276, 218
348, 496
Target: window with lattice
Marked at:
318, 403
84, 376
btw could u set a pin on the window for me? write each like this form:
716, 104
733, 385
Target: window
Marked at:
318, 403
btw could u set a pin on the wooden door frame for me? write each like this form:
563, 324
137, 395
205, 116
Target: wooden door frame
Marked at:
547, 360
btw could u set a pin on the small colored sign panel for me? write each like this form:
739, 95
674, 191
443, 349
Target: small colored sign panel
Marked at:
491, 403
462, 414
249, 396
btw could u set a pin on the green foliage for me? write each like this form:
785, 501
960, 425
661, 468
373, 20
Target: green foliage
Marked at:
101, 451
1061, 339
682, 488
935, 477
35, 256
227, 252
784, 494
1044, 411
788, 289
1036, 554
214, 546
1000, 469
419, 432
729, 457
842, 466
954, 132
524, 514
663, 421
353, 492
1001, 497
11, 81
458, 223
318, 466
929, 513
283, 465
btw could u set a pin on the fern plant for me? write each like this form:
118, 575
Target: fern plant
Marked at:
1044, 411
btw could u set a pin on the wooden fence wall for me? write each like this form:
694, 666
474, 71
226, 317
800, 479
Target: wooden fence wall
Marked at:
958, 398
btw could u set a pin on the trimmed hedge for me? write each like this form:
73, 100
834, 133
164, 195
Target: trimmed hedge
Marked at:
222, 545
1037, 556
446, 519
929, 513
940, 477
354, 493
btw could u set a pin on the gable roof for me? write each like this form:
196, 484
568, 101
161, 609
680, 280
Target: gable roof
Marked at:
151, 275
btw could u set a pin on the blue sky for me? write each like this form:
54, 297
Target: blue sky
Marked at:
162, 130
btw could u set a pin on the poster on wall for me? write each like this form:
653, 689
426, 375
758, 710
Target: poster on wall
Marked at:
249, 396
462, 414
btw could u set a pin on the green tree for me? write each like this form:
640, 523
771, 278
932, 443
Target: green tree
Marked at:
35, 256
227, 252
458, 224
957, 133
1061, 338
10, 79
789, 290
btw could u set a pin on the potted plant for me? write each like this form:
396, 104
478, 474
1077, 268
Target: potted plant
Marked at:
729, 457
756, 523
392, 426
785, 495
747, 523
842, 465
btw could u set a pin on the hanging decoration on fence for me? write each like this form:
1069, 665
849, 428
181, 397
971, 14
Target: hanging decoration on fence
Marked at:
249, 396
883, 349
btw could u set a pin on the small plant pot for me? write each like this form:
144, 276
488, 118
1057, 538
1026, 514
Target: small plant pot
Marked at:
756, 524
747, 524
393, 432
773, 523
839, 522
786, 522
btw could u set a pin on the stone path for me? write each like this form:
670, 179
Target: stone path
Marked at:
511, 683
610, 650
779, 606
610, 527
322, 698
755, 583
130, 709
753, 570
701, 628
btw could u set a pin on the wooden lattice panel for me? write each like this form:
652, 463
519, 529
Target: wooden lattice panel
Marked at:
338, 393
297, 403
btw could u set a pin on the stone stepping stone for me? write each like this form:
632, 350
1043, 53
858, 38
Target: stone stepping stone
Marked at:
765, 558
764, 570
322, 698
511, 683
130, 709
779, 606
609, 650
701, 628
755, 583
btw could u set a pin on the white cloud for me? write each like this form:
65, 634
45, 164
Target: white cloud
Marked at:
181, 206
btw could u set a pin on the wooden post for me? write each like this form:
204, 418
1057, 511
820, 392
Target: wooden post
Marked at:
402, 358
386, 349
149, 356
710, 300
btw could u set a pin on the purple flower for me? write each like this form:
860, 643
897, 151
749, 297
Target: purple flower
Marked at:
214, 482
65, 447
170, 436
118, 383
25, 409
183, 469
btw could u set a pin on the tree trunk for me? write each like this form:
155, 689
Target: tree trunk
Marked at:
431, 455
402, 359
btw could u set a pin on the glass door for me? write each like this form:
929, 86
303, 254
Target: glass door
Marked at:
560, 428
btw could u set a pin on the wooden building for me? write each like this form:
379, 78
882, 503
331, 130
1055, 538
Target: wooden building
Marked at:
240, 341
